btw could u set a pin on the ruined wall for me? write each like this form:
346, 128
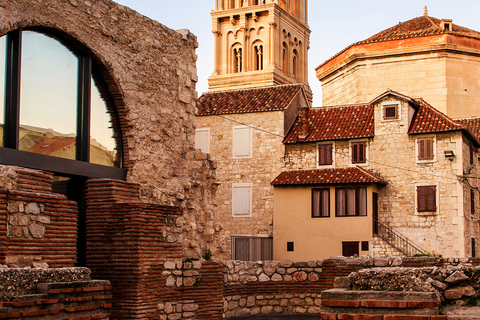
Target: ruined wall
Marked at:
259, 170
150, 73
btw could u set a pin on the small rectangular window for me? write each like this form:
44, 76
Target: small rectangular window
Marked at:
320, 203
242, 199
325, 154
426, 198
425, 147
390, 112
242, 142
359, 150
365, 246
350, 201
289, 246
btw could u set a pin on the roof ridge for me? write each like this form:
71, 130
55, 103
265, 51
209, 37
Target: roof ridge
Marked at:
257, 88
433, 22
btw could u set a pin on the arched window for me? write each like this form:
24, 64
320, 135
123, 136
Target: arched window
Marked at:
284, 58
294, 63
56, 112
258, 48
237, 59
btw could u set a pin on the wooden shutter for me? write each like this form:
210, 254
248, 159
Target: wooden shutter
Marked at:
425, 149
359, 152
241, 248
201, 140
325, 154
242, 142
390, 112
241, 200
426, 198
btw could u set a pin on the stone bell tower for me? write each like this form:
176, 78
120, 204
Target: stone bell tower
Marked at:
259, 43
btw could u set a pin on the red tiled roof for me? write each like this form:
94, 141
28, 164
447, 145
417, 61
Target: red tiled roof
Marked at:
428, 119
272, 98
329, 123
327, 176
51, 145
472, 125
417, 27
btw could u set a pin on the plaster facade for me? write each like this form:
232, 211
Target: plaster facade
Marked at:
391, 154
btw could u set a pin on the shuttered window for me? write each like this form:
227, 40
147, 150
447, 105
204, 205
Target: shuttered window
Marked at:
426, 198
390, 112
242, 142
350, 202
325, 154
425, 148
202, 137
320, 203
252, 248
359, 152
242, 196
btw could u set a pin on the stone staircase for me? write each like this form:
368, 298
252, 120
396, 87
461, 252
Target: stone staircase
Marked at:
381, 248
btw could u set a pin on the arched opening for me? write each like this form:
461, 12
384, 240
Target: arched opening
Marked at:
57, 115
258, 51
284, 58
295, 64
237, 58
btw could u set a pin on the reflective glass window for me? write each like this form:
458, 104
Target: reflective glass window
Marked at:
48, 97
3, 44
102, 142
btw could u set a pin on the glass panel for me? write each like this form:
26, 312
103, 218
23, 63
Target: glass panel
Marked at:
102, 144
350, 195
325, 203
48, 98
362, 201
3, 57
340, 202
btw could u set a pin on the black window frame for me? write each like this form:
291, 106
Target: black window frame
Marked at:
10, 153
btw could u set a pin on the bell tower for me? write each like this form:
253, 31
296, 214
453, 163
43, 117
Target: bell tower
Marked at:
259, 43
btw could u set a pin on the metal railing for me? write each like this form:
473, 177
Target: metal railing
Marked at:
396, 239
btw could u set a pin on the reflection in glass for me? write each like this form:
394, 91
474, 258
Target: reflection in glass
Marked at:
102, 143
3, 43
48, 97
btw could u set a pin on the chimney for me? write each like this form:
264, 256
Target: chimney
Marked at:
303, 123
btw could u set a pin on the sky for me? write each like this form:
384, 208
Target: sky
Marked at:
335, 24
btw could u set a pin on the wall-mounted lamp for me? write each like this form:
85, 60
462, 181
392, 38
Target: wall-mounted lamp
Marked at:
449, 154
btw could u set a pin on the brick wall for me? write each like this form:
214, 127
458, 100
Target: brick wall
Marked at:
83, 300
37, 227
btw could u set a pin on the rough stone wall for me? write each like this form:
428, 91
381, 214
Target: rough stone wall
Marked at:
150, 73
447, 232
264, 165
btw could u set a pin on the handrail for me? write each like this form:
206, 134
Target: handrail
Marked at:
396, 239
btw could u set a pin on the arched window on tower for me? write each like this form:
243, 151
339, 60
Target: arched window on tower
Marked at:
237, 59
258, 48
295, 64
284, 58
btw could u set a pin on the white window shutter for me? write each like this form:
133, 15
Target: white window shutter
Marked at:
242, 142
201, 140
241, 200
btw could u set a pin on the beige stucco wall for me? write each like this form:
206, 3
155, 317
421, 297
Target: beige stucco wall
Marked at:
392, 156
314, 238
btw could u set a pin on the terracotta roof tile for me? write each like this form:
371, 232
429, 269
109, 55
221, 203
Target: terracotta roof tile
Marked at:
330, 123
416, 27
272, 98
329, 176
51, 145
472, 125
428, 119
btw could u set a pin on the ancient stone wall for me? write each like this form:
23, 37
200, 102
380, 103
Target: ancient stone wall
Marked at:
150, 73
